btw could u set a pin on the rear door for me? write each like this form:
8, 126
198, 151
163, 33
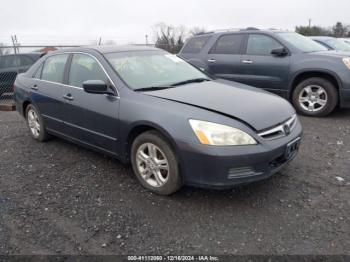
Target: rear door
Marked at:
262, 69
224, 58
91, 118
193, 51
47, 90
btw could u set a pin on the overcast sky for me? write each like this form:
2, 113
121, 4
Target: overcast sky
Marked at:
126, 21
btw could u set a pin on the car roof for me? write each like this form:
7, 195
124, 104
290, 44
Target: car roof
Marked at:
238, 31
105, 49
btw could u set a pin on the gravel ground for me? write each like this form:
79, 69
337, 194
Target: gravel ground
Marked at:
58, 198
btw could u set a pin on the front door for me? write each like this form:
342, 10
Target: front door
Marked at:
261, 68
91, 118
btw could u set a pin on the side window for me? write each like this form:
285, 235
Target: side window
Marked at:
195, 45
228, 44
37, 74
16, 61
8, 61
26, 61
53, 69
83, 68
261, 45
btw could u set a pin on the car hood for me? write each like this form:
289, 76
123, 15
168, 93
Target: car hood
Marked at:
257, 108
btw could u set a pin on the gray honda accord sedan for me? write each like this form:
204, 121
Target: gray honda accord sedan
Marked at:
175, 124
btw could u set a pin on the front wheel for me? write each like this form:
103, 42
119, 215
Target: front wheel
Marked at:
315, 97
155, 164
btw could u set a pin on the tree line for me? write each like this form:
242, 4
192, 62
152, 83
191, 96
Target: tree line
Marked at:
171, 38
338, 30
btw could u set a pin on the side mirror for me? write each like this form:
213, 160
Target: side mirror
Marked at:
95, 87
279, 52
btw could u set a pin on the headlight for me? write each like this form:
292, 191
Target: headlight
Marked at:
210, 133
346, 61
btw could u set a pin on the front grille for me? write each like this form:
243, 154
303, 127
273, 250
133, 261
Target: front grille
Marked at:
280, 130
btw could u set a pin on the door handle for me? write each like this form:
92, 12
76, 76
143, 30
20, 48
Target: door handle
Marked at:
247, 62
34, 87
68, 97
211, 60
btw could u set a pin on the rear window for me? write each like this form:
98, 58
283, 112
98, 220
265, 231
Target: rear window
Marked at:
53, 69
9, 61
228, 44
37, 74
195, 45
15, 60
26, 61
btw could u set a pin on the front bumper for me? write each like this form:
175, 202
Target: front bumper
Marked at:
224, 167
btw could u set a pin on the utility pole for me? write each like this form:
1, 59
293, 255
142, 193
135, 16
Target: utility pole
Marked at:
99, 42
14, 39
14, 44
310, 22
146, 36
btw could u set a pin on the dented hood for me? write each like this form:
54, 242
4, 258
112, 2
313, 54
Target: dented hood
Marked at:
256, 107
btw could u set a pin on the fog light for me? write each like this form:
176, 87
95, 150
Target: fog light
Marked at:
238, 172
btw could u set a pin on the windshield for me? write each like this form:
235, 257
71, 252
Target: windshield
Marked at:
302, 43
337, 44
142, 69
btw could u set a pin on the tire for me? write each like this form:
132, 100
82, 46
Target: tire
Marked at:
161, 181
317, 93
32, 114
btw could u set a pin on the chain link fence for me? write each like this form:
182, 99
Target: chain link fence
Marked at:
8, 73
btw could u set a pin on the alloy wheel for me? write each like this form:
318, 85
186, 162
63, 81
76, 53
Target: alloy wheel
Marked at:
33, 122
152, 164
313, 98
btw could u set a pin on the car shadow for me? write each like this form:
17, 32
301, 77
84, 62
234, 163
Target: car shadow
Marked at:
244, 191
340, 113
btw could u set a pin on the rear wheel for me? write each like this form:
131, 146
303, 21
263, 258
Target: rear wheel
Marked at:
155, 164
36, 124
315, 97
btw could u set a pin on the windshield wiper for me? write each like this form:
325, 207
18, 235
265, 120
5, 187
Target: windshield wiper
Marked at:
155, 88
194, 80
152, 88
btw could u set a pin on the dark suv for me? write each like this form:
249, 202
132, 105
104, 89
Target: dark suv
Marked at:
12, 64
286, 63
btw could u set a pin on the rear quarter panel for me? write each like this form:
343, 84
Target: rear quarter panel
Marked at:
21, 93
